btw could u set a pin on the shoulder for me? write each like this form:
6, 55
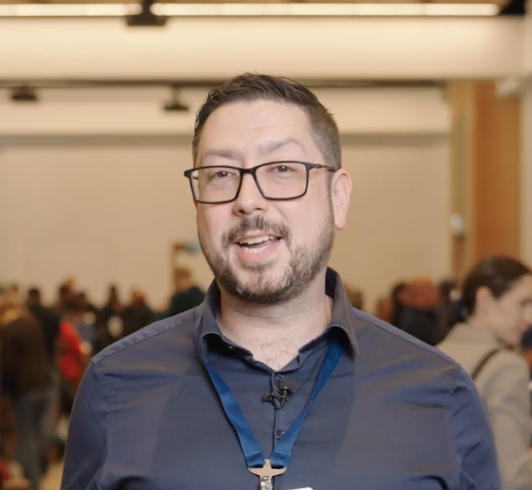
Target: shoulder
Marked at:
393, 340
505, 368
154, 344
416, 372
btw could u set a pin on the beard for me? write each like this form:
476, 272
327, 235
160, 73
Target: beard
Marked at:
262, 289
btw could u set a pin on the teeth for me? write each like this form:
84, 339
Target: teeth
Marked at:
256, 250
255, 240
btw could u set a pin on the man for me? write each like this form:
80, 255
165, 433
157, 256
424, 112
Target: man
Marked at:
186, 294
137, 314
422, 315
275, 373
64, 294
48, 321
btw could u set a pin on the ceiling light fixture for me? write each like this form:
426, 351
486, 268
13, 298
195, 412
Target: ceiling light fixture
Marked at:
23, 93
146, 17
175, 105
150, 14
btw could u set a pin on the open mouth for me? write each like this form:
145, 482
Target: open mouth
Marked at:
257, 244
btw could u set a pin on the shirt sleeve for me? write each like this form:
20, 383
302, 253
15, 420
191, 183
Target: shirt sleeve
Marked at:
473, 442
508, 404
87, 440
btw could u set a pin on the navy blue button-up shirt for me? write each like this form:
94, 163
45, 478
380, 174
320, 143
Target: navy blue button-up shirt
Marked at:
395, 415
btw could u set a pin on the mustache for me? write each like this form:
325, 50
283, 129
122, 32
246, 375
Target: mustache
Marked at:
256, 223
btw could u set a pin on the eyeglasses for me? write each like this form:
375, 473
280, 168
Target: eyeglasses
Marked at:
275, 180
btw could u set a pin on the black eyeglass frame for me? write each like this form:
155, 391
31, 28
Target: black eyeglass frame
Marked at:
253, 172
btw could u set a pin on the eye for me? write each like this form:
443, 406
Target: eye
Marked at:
525, 303
282, 169
219, 174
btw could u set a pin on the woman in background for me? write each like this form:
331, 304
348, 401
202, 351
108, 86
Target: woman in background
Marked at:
26, 380
495, 310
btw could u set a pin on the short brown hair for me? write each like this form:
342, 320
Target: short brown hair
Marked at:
251, 87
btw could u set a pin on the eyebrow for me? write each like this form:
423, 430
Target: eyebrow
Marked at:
271, 145
221, 153
268, 146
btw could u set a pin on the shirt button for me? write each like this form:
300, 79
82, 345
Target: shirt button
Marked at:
230, 347
279, 377
279, 434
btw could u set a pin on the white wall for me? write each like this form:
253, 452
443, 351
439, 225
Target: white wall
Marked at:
139, 111
377, 48
109, 213
398, 216
99, 212
106, 208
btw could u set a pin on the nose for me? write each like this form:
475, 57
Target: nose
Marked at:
249, 199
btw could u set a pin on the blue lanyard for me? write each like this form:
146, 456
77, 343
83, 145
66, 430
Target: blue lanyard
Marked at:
248, 442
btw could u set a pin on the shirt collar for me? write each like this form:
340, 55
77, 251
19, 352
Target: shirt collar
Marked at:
341, 318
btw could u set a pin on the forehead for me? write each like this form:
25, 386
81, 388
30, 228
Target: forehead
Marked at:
521, 288
524, 285
256, 128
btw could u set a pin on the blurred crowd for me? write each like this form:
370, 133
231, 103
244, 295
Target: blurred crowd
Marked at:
44, 349
419, 306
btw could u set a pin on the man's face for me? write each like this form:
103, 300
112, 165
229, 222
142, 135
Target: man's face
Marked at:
263, 251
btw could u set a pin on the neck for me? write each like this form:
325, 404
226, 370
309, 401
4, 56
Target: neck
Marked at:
275, 333
476, 322
480, 323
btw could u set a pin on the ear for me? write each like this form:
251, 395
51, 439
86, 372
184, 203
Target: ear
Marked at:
340, 195
483, 299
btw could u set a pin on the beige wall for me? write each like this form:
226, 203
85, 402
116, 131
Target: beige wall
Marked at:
99, 212
108, 210
362, 47
398, 215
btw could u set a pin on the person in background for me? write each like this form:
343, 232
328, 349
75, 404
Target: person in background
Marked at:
355, 297
85, 323
496, 310
73, 352
526, 348
526, 352
421, 317
26, 380
64, 294
137, 314
49, 321
398, 296
450, 294
113, 305
383, 309
109, 314
85, 303
186, 294
14, 290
